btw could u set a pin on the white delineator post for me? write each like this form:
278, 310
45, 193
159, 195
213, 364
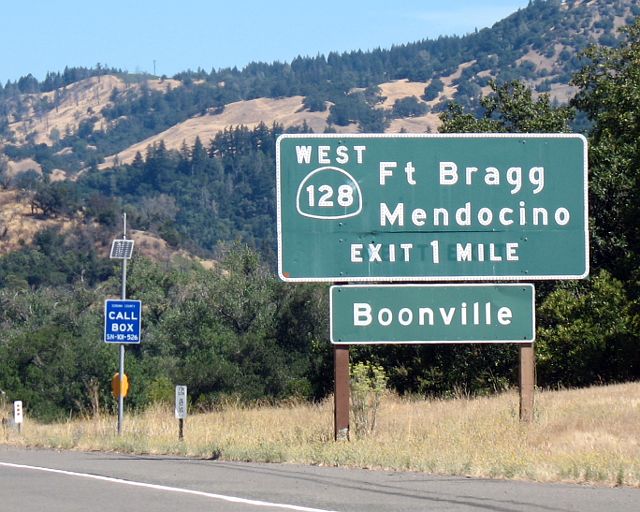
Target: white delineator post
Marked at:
181, 409
17, 414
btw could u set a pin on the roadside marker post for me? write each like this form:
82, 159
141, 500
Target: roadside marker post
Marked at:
181, 409
17, 414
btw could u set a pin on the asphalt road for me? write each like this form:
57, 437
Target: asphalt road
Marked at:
44, 480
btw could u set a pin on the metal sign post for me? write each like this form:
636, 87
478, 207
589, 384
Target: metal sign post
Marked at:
181, 409
122, 249
17, 414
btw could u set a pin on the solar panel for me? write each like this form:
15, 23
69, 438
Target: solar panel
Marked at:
121, 249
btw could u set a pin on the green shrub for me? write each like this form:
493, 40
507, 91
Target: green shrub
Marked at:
368, 385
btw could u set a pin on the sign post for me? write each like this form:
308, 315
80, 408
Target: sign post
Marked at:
341, 392
527, 381
17, 414
181, 409
122, 249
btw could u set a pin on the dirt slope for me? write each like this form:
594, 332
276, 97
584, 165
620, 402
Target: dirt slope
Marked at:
75, 103
286, 111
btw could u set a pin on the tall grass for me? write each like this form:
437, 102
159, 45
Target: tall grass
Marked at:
588, 435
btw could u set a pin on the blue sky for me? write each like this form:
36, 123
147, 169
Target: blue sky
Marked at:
38, 36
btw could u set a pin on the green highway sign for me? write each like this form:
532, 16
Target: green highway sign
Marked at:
399, 207
436, 313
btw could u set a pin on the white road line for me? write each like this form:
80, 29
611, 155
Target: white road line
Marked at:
222, 497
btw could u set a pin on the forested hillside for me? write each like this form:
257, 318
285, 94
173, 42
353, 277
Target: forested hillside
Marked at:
233, 329
81, 120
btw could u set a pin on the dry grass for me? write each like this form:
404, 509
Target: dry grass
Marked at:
286, 111
18, 225
155, 248
590, 435
398, 89
77, 102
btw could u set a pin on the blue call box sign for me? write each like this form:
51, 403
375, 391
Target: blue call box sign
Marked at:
122, 321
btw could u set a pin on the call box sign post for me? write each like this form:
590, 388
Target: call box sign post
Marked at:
397, 207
